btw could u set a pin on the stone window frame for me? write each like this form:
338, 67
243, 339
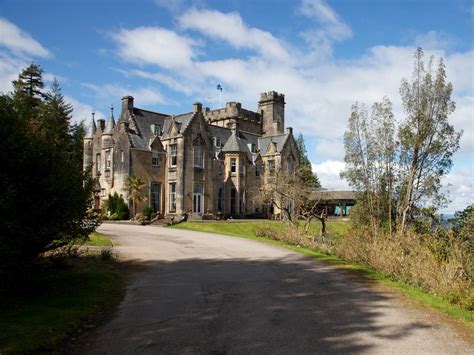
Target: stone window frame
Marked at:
155, 158
108, 160
198, 159
172, 197
271, 167
97, 163
173, 155
233, 166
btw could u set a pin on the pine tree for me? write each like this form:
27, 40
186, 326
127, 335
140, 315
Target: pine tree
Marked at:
307, 176
29, 85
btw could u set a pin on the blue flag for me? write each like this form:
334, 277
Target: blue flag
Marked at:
219, 87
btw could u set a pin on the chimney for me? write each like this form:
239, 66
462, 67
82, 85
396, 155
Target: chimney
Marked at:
197, 107
289, 130
127, 104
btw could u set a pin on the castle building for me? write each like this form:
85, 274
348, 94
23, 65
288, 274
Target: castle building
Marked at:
203, 163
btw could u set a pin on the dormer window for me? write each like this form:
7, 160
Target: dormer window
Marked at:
155, 158
217, 142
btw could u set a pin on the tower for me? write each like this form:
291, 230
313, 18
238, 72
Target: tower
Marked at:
272, 111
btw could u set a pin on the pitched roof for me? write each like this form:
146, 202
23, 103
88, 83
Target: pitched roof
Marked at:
278, 140
144, 120
235, 144
181, 120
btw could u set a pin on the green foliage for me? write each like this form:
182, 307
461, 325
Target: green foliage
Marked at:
463, 224
116, 207
134, 187
305, 172
147, 211
44, 195
52, 303
105, 255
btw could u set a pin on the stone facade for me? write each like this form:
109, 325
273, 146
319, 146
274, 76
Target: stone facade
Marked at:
203, 163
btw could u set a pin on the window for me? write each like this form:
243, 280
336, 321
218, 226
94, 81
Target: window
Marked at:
233, 167
252, 147
155, 158
198, 156
197, 198
155, 192
257, 169
241, 167
173, 197
291, 166
122, 156
97, 163
271, 167
242, 203
173, 155
108, 161
217, 142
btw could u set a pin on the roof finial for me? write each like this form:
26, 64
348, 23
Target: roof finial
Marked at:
112, 110
93, 114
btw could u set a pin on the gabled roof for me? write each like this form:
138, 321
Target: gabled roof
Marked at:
143, 121
331, 195
182, 122
278, 141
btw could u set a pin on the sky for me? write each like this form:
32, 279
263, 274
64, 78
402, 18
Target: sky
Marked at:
324, 55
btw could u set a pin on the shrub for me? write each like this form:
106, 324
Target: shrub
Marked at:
105, 255
116, 206
147, 211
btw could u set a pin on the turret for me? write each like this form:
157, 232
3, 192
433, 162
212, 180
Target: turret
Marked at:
272, 111
88, 142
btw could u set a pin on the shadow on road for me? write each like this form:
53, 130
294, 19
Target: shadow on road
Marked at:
290, 305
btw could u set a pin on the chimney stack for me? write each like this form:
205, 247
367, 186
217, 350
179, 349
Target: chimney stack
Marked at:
127, 104
197, 107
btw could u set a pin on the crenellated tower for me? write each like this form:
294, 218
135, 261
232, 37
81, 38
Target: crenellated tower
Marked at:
272, 111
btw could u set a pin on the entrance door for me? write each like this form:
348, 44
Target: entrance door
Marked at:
155, 197
197, 198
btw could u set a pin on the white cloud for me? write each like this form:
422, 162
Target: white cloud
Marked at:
459, 186
155, 45
230, 28
113, 91
81, 111
19, 42
328, 173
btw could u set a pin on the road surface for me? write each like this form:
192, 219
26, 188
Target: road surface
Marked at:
206, 293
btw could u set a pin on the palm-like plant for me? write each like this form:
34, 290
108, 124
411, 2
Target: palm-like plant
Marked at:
134, 186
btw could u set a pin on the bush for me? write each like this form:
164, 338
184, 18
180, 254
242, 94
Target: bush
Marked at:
116, 206
147, 211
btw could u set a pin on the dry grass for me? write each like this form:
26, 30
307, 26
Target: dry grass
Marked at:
441, 265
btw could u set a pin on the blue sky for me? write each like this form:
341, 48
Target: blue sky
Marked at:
323, 55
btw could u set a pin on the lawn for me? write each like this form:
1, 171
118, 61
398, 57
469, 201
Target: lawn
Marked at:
54, 301
246, 229
97, 239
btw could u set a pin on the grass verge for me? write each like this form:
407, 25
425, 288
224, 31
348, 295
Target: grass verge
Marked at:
53, 303
336, 229
97, 239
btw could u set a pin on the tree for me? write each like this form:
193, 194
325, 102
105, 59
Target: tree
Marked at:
28, 88
44, 195
134, 187
463, 224
369, 156
305, 172
427, 140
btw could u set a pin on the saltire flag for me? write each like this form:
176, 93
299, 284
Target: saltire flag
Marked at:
219, 87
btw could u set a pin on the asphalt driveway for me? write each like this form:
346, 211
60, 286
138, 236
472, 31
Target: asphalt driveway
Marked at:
205, 293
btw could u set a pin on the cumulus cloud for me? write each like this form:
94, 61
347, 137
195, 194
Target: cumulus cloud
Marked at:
20, 42
459, 187
230, 28
82, 111
328, 173
155, 45
112, 91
